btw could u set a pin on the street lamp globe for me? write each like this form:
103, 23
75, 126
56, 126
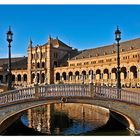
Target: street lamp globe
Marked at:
117, 34
9, 35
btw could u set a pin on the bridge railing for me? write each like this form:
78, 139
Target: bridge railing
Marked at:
68, 90
117, 94
36, 92
64, 90
17, 95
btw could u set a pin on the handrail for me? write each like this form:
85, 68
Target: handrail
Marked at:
68, 90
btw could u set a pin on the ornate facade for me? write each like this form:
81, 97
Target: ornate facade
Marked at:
56, 62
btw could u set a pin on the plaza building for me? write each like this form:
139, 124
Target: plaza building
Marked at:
56, 62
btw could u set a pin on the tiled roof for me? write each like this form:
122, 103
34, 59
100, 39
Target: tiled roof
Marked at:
20, 63
110, 49
5, 60
57, 41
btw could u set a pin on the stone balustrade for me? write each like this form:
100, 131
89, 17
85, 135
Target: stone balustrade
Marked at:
68, 90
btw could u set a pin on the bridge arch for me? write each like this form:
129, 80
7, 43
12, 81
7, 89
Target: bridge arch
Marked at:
36, 103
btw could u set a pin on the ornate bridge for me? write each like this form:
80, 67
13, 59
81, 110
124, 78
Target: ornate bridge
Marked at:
121, 101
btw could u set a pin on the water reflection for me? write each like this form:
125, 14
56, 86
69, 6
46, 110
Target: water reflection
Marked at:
65, 119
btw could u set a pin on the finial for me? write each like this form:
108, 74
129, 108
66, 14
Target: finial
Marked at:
9, 28
30, 43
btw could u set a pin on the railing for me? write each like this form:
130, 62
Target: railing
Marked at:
68, 90
63, 90
117, 94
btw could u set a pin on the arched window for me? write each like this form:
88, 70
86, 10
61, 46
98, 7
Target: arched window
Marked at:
106, 74
57, 76
43, 64
42, 77
133, 70
19, 77
25, 77
64, 75
124, 72
38, 65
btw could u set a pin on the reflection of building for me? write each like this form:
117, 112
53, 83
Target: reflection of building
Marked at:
59, 63
52, 119
40, 118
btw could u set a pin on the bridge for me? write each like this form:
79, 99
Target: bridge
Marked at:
125, 103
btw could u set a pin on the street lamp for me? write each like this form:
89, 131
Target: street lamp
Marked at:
9, 39
118, 38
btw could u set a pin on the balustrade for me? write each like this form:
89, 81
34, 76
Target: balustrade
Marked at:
68, 90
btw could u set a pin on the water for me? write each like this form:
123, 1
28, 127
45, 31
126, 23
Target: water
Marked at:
67, 119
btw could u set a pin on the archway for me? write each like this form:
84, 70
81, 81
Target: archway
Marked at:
18, 77
98, 74
70, 75
57, 76
77, 75
42, 77
133, 72
106, 74
123, 73
64, 75
114, 73
25, 77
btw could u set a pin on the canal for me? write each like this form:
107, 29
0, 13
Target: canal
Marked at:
67, 119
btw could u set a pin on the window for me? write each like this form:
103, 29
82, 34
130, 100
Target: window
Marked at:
85, 63
72, 64
79, 64
108, 60
93, 62
100, 61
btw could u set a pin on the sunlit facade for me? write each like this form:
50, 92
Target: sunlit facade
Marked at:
55, 63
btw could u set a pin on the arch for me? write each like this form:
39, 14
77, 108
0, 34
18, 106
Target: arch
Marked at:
114, 73
90, 72
106, 74
124, 72
18, 77
32, 77
100, 103
43, 64
42, 78
38, 65
133, 71
64, 75
70, 75
84, 72
25, 77
98, 74
13, 77
57, 76
77, 74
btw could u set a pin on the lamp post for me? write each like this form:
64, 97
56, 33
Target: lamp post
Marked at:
9, 39
118, 38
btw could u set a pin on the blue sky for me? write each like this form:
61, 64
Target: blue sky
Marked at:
80, 26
